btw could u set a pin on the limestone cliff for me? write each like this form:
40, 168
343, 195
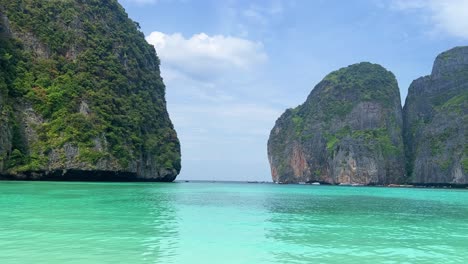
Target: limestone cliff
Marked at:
436, 122
81, 96
349, 131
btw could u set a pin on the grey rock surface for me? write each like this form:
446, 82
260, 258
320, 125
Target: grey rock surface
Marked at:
349, 131
436, 122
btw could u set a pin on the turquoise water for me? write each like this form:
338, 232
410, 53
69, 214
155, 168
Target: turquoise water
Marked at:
51, 222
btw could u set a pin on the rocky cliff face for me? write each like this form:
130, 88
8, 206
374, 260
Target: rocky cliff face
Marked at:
436, 122
81, 96
349, 130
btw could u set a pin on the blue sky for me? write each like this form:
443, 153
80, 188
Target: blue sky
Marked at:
232, 67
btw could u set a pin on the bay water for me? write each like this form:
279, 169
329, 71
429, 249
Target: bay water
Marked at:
204, 222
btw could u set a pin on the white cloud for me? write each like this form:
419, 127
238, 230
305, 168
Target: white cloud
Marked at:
450, 16
202, 55
235, 117
262, 15
255, 15
232, 131
217, 105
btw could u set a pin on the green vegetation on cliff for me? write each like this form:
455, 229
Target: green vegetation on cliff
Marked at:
92, 81
370, 82
348, 130
376, 139
344, 89
436, 121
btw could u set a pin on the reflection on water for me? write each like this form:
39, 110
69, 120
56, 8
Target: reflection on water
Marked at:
355, 228
78, 222
160, 241
47, 222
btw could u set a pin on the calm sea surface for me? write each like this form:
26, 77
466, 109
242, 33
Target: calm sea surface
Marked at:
51, 222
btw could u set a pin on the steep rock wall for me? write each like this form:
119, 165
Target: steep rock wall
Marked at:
436, 122
81, 96
348, 131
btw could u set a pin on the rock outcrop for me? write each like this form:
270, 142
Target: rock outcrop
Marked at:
436, 122
81, 96
349, 131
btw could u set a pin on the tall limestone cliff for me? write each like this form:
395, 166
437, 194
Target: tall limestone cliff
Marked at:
81, 96
349, 131
436, 122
